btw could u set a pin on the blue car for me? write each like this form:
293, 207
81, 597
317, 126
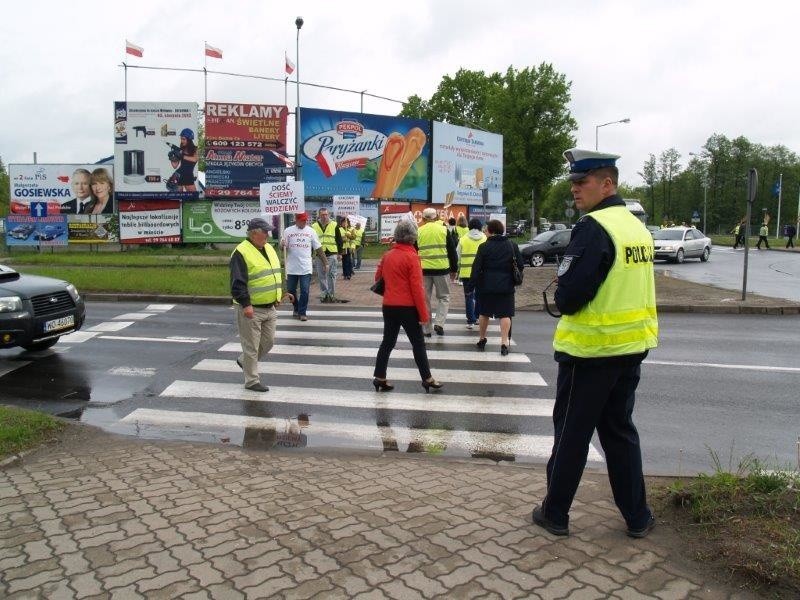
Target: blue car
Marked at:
49, 232
22, 232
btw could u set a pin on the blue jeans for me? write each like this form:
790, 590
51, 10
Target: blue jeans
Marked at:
301, 301
359, 251
470, 302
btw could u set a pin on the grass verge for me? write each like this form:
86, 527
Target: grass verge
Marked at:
23, 429
745, 522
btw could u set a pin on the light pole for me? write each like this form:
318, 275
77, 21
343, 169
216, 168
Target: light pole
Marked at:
597, 129
298, 175
705, 190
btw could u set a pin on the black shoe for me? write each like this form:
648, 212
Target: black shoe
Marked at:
241, 366
438, 329
381, 385
481, 344
503, 350
432, 383
642, 532
427, 334
257, 387
544, 522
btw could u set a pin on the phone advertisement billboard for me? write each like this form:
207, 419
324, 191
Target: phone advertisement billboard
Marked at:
465, 162
218, 221
372, 156
155, 150
245, 146
64, 189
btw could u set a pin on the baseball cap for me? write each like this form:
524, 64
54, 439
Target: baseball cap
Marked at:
301, 217
259, 223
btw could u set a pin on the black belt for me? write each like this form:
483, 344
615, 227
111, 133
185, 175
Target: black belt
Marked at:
270, 305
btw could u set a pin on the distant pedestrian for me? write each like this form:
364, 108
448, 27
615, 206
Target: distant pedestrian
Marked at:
256, 289
789, 231
466, 250
735, 232
359, 240
300, 242
762, 236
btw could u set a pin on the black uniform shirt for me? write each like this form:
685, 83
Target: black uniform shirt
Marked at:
587, 261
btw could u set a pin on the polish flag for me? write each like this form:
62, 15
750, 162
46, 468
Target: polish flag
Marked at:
133, 49
289, 64
213, 52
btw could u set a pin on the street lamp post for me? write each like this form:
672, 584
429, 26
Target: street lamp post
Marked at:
597, 129
298, 175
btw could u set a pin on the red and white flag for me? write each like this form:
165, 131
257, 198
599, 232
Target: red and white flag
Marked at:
289, 64
213, 52
133, 49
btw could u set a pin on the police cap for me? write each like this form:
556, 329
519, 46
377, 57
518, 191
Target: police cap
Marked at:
583, 162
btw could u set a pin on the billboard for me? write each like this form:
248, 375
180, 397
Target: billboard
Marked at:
25, 230
155, 150
218, 221
245, 146
466, 161
372, 156
69, 189
150, 222
454, 211
90, 229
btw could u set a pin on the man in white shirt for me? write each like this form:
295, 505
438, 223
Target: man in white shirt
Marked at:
299, 242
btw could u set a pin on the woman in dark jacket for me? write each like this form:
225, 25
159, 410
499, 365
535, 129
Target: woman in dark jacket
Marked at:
403, 306
493, 279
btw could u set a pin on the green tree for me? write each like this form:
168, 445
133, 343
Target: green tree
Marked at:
649, 173
4, 188
201, 147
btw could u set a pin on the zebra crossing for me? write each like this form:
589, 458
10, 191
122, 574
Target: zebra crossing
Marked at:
319, 374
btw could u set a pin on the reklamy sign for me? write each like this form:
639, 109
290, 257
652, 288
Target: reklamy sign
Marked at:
245, 146
287, 197
373, 156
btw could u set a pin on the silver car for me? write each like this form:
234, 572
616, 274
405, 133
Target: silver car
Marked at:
676, 244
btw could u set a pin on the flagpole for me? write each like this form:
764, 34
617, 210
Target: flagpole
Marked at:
297, 166
124, 64
205, 76
780, 193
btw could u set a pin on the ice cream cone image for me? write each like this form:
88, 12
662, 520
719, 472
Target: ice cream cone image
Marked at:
395, 144
393, 168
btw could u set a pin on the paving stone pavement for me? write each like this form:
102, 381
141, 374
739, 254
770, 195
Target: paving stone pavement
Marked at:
108, 516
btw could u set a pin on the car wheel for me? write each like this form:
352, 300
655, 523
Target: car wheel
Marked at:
679, 257
706, 253
537, 259
37, 346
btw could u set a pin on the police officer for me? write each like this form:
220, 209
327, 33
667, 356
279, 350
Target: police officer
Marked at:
256, 290
606, 294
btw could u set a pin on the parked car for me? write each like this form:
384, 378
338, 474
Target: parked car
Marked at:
35, 311
49, 232
676, 244
517, 228
547, 246
22, 231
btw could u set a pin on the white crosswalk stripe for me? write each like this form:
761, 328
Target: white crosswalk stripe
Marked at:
488, 406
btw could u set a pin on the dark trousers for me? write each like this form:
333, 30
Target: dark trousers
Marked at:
602, 398
406, 317
347, 264
790, 242
762, 238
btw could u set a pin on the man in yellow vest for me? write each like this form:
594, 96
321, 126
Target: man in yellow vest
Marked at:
606, 295
359, 245
331, 238
466, 250
256, 289
437, 253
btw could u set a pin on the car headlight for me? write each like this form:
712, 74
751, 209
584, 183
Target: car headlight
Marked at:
668, 248
10, 304
73, 291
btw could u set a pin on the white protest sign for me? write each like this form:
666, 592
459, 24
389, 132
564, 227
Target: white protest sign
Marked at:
282, 197
357, 219
346, 205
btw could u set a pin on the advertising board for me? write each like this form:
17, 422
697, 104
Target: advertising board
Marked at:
372, 156
155, 150
150, 222
64, 189
218, 221
466, 161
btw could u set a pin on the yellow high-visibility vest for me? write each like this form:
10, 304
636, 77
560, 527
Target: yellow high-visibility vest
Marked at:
263, 276
621, 319
432, 245
328, 237
469, 249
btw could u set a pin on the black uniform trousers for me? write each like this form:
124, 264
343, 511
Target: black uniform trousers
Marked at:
596, 395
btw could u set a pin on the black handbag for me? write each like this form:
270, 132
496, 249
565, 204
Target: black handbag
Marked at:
516, 274
378, 287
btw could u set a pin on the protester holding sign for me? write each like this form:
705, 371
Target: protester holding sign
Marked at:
299, 242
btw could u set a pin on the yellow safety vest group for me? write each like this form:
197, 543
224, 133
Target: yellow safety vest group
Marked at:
432, 245
469, 249
461, 231
328, 237
359, 237
621, 319
263, 275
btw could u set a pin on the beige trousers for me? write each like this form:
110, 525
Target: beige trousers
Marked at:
257, 336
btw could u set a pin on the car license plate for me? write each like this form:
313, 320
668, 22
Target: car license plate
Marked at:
61, 323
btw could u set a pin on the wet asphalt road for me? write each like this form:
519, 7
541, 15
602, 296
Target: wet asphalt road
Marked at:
729, 383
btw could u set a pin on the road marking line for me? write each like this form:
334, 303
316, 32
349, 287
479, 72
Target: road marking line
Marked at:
375, 314
77, 337
435, 340
174, 340
160, 307
678, 363
133, 371
377, 437
472, 376
111, 326
363, 352
134, 316
14, 367
483, 405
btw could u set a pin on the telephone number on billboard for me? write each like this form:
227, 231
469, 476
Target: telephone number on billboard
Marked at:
239, 144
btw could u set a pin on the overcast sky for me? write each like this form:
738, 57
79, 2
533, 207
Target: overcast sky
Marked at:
680, 70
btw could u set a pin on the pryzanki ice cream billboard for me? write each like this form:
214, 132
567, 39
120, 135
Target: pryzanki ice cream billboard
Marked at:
372, 156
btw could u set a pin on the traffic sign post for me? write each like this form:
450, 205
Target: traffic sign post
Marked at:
752, 184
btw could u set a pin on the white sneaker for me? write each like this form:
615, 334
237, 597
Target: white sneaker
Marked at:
469, 326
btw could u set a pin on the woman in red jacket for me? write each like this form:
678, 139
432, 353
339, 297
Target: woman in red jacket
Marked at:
403, 306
